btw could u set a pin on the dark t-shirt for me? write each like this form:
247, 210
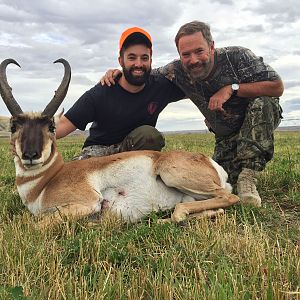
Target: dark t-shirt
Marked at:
232, 65
115, 112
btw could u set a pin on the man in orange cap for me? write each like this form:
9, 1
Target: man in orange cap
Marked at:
123, 116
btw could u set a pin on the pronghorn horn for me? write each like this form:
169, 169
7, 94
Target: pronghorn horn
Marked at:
61, 92
5, 89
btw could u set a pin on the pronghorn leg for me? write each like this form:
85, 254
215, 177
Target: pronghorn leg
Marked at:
223, 199
69, 211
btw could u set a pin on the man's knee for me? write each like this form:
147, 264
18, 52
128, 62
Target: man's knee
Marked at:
264, 110
143, 138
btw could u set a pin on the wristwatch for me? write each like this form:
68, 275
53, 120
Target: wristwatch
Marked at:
235, 87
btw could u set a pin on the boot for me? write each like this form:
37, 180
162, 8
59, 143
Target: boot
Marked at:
246, 188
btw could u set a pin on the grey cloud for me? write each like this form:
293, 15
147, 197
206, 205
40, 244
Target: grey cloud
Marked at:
82, 80
291, 83
169, 125
230, 33
86, 33
291, 105
289, 71
226, 2
251, 28
281, 13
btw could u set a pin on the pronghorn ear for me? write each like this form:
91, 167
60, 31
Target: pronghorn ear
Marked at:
58, 116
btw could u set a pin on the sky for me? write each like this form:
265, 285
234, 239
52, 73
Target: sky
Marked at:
86, 33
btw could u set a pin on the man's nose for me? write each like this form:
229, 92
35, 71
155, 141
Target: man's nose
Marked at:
138, 62
194, 58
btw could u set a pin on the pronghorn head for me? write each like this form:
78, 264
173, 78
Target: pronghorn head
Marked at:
33, 134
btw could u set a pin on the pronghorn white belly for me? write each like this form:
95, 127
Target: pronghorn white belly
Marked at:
137, 199
222, 175
133, 190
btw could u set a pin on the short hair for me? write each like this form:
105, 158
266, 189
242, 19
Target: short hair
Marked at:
193, 27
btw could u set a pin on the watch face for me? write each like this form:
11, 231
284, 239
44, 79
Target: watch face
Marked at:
235, 86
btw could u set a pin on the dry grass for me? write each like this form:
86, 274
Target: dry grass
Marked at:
245, 254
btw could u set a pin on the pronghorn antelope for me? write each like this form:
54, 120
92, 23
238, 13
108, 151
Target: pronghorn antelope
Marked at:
129, 184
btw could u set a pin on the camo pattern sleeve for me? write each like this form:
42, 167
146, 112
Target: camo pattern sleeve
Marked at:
232, 65
248, 66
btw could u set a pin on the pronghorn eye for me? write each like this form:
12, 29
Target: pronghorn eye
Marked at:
13, 128
51, 127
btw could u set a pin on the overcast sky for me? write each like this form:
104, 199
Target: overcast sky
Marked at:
86, 33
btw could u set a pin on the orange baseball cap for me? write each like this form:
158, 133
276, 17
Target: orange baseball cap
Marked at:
134, 30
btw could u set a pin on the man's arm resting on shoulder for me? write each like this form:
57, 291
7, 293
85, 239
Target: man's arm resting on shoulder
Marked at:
64, 127
109, 77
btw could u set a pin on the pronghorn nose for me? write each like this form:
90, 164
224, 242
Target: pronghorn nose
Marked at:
30, 155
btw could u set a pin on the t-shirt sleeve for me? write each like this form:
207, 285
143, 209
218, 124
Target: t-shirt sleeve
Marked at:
252, 68
83, 111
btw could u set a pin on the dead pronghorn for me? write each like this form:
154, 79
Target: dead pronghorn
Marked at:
129, 184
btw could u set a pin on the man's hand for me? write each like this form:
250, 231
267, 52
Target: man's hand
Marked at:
217, 100
110, 76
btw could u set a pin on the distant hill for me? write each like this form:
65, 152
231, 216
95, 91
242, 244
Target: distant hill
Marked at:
4, 123
4, 129
289, 128
285, 128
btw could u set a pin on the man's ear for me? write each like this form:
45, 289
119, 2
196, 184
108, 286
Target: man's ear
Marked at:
58, 116
120, 61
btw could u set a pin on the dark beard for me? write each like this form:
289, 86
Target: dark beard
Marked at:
136, 80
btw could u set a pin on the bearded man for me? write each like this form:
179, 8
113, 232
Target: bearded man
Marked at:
237, 92
123, 116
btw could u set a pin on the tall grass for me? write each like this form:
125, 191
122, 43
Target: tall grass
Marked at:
245, 254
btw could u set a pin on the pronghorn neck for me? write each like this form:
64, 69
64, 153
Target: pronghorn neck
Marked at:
31, 183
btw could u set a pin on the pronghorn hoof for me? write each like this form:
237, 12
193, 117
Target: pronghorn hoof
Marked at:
178, 217
164, 221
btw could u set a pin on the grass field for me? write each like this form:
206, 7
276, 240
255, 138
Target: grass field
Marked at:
245, 254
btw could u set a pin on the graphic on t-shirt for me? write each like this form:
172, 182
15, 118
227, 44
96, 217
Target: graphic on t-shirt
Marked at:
152, 107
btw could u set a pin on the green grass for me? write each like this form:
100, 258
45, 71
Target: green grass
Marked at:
245, 254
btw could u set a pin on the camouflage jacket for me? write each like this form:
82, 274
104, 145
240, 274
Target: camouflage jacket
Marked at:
232, 65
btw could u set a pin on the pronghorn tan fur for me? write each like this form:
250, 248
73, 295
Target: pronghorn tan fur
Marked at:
130, 184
